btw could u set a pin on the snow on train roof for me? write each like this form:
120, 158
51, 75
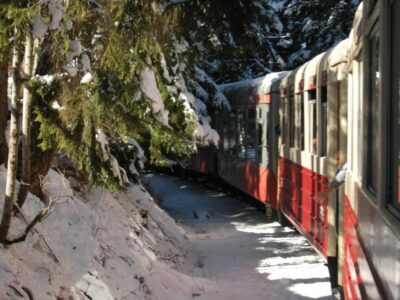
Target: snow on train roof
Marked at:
338, 54
355, 34
337, 61
261, 85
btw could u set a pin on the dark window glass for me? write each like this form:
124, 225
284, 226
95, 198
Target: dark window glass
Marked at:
251, 113
241, 134
233, 127
291, 121
226, 116
301, 135
324, 120
312, 108
372, 111
250, 141
369, 5
260, 145
395, 107
283, 124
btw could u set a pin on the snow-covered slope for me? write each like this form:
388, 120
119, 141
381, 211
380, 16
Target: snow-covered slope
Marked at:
98, 246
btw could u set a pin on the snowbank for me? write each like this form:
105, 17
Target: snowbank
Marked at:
97, 245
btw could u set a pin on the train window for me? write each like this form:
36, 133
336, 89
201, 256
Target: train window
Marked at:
250, 141
372, 112
369, 5
301, 133
251, 113
395, 107
312, 112
283, 126
291, 121
324, 120
260, 142
241, 142
226, 116
233, 126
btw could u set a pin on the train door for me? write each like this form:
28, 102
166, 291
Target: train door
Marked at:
334, 147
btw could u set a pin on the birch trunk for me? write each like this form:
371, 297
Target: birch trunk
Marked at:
26, 123
3, 110
12, 163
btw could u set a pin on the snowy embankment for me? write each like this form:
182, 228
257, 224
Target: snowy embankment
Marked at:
99, 245
95, 245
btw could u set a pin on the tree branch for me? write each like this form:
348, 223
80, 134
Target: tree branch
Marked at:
39, 217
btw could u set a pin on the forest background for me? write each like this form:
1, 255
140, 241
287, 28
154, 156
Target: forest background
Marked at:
111, 86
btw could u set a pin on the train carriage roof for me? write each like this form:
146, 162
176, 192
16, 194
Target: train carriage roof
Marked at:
355, 40
337, 61
299, 78
313, 71
240, 92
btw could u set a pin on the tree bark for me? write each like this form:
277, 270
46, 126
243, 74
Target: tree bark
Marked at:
12, 163
26, 124
3, 110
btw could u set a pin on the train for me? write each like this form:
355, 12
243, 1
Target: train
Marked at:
287, 133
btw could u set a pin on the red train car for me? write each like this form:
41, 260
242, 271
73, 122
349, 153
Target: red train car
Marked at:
287, 133
249, 137
309, 149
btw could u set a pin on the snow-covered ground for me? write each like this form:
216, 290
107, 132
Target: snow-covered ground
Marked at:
236, 252
101, 245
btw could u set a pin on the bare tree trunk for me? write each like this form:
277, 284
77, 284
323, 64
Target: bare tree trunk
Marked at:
12, 150
26, 124
3, 110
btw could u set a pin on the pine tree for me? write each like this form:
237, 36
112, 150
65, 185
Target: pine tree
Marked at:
232, 39
312, 27
97, 118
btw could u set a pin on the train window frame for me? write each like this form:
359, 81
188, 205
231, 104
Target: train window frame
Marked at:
371, 133
233, 132
313, 123
268, 136
301, 137
283, 121
369, 5
394, 112
251, 134
241, 152
226, 132
291, 120
260, 142
324, 121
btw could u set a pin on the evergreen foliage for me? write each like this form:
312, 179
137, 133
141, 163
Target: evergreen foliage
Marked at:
312, 27
97, 53
231, 40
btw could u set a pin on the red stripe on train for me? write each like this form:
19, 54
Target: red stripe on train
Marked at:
255, 180
298, 189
